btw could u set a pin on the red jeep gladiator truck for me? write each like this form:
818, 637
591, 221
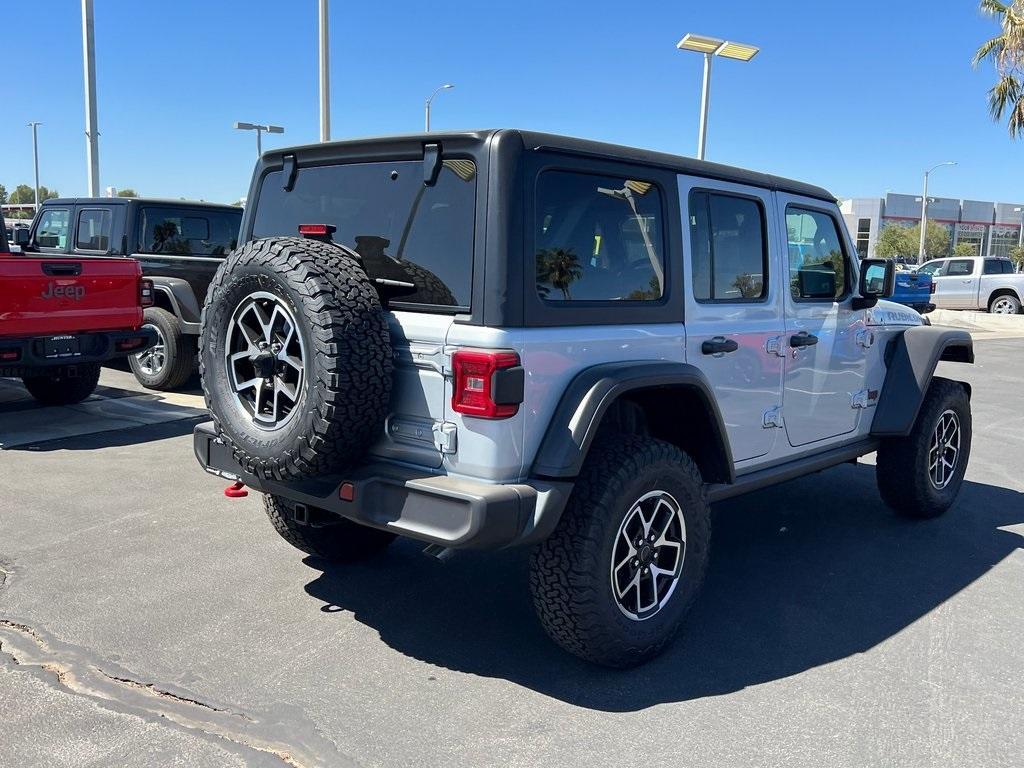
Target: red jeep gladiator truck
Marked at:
60, 318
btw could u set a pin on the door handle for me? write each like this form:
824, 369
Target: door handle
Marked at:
802, 339
718, 346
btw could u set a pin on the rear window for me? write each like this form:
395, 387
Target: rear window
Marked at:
402, 229
188, 232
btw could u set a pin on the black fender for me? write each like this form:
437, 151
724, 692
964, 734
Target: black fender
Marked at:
578, 416
183, 300
911, 360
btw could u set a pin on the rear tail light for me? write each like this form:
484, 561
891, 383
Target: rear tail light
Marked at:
488, 385
146, 297
932, 289
8, 355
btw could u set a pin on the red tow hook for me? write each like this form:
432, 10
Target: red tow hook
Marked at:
236, 490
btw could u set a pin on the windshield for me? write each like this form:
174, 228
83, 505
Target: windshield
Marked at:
402, 229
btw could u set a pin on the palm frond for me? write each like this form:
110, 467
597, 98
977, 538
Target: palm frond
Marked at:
993, 7
989, 49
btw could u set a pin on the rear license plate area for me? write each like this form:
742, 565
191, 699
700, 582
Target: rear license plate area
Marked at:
62, 346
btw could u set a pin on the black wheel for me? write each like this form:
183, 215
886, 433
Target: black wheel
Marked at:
614, 581
342, 541
64, 386
920, 475
295, 357
169, 363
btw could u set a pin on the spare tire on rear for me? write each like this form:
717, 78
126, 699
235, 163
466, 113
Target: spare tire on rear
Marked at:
295, 357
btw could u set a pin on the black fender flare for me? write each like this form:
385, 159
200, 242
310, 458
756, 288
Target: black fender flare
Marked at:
578, 416
182, 298
911, 361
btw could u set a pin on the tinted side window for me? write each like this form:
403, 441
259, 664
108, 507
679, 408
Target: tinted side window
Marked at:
598, 238
93, 232
52, 231
992, 267
959, 267
817, 260
402, 229
730, 259
1007, 267
188, 232
933, 268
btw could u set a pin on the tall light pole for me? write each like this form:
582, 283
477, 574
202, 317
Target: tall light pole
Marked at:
711, 47
35, 156
325, 76
259, 133
921, 255
92, 135
426, 106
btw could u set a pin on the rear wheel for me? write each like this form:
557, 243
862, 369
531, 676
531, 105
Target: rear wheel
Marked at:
920, 475
64, 386
614, 581
339, 540
169, 363
1004, 305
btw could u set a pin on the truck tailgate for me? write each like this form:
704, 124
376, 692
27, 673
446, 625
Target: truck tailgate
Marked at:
40, 296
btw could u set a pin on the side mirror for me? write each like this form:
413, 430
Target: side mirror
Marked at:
21, 236
877, 281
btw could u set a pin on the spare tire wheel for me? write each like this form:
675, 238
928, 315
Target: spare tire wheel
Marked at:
296, 357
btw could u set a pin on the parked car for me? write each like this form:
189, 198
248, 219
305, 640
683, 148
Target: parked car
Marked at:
984, 283
914, 289
179, 244
61, 318
499, 338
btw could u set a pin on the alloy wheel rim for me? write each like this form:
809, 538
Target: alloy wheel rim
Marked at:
151, 361
944, 450
265, 359
647, 556
1004, 306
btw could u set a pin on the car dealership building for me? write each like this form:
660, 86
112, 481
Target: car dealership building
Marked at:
993, 228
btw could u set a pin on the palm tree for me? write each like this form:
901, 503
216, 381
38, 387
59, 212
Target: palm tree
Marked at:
560, 267
1006, 51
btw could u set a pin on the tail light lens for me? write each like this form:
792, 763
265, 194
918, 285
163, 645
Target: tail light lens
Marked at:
932, 289
488, 385
146, 298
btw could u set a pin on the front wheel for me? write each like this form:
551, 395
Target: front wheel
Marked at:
64, 386
920, 475
614, 581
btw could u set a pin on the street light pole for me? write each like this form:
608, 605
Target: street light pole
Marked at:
35, 157
921, 252
92, 143
426, 106
325, 77
259, 133
711, 47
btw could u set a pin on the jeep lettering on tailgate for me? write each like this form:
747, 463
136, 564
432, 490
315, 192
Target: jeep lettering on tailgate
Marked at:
54, 291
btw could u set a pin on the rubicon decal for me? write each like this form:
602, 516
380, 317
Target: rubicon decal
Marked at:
54, 291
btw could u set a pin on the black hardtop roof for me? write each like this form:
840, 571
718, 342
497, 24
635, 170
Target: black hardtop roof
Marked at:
533, 140
128, 200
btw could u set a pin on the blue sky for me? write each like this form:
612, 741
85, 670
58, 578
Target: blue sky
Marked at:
859, 97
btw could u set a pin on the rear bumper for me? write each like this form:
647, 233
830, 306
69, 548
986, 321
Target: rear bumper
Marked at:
25, 356
438, 509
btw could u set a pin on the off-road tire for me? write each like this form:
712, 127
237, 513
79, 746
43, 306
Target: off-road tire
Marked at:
342, 541
901, 468
569, 574
61, 388
348, 367
179, 353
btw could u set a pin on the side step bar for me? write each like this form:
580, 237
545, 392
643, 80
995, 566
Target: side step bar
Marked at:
762, 478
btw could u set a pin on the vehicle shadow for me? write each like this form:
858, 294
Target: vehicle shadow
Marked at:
801, 575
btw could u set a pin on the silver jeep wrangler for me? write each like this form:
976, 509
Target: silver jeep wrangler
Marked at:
501, 338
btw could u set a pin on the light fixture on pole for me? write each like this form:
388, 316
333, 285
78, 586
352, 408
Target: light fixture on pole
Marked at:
426, 107
710, 47
259, 133
35, 156
921, 254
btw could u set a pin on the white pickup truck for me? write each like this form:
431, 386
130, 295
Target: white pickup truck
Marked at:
976, 283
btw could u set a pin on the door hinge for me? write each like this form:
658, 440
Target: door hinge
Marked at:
772, 418
865, 398
774, 346
866, 338
446, 437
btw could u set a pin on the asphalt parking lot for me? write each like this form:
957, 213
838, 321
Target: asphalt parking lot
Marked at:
145, 619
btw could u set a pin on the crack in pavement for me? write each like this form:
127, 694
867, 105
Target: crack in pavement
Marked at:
291, 740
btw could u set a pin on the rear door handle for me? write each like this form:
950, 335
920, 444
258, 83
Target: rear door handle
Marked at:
803, 339
719, 346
